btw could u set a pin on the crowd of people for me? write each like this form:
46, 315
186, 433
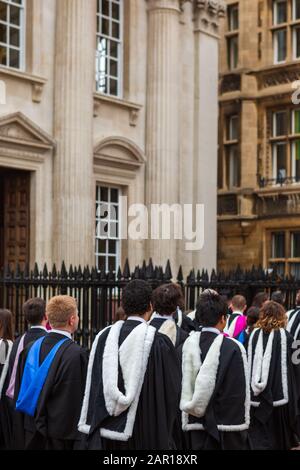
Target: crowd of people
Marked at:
225, 376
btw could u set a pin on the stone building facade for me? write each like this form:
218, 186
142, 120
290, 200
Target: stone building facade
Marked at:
259, 136
105, 98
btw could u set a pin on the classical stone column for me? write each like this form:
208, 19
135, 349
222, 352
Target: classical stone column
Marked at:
207, 15
162, 128
73, 196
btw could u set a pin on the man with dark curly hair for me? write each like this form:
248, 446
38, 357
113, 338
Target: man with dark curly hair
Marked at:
133, 381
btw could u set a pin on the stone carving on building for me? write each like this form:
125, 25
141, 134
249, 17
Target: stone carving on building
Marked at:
209, 13
275, 78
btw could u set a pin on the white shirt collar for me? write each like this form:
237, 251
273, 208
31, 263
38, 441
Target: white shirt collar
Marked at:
211, 329
40, 327
164, 317
137, 318
61, 332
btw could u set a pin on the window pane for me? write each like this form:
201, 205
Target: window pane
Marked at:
14, 58
105, 7
3, 11
295, 248
295, 270
296, 122
280, 268
280, 11
232, 128
280, 161
296, 10
101, 246
105, 27
115, 11
113, 68
233, 166
3, 32
114, 195
278, 245
15, 15
295, 163
115, 30
112, 263
101, 263
279, 124
104, 194
114, 49
233, 52
233, 17
113, 88
3, 55
112, 247
280, 45
114, 212
296, 42
14, 35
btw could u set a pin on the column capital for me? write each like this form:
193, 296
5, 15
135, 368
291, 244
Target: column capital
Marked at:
208, 14
164, 5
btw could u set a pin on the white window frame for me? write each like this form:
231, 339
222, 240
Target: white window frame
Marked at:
294, 34
275, 8
232, 65
232, 119
274, 159
275, 45
234, 7
120, 60
274, 130
22, 29
109, 220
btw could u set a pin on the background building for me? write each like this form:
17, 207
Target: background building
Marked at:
105, 98
259, 136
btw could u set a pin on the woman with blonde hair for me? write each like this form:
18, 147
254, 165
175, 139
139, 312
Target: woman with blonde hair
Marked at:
272, 381
6, 337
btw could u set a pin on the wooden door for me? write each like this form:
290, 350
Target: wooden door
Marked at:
15, 217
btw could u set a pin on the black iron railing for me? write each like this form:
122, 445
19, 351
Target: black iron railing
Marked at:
280, 181
99, 294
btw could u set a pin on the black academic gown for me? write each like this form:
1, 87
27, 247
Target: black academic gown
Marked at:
227, 402
295, 332
12, 416
275, 428
54, 426
157, 407
182, 335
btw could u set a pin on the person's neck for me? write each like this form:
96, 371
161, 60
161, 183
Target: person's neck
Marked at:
66, 330
144, 316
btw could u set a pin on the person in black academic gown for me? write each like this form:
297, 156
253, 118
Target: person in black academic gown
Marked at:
34, 311
166, 301
215, 395
6, 344
133, 382
273, 381
54, 425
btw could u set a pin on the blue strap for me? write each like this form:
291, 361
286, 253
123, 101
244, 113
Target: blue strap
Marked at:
34, 376
241, 337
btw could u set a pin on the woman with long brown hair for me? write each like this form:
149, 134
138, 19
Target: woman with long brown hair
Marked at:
6, 337
272, 381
